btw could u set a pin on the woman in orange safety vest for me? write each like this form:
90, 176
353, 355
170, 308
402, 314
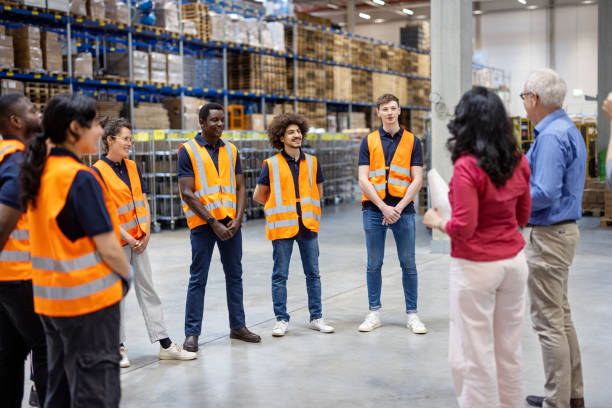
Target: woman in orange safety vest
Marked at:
123, 179
79, 272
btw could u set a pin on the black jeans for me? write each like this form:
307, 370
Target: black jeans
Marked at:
84, 359
21, 331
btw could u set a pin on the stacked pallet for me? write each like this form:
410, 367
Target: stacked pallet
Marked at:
110, 109
338, 83
314, 112
423, 67
361, 53
244, 73
274, 75
382, 57
150, 116
593, 198
417, 123
311, 80
52, 53
307, 18
198, 14
310, 43
418, 92
416, 35
190, 113
40, 92
401, 60
26, 44
336, 47
606, 220
393, 84
361, 85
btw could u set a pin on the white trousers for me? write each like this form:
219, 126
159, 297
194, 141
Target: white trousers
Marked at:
148, 300
487, 307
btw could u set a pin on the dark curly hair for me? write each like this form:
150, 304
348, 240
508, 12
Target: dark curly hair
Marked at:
112, 127
279, 125
482, 128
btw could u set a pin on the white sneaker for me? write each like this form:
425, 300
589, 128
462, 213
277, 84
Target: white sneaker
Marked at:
125, 361
415, 324
176, 352
371, 322
320, 325
280, 328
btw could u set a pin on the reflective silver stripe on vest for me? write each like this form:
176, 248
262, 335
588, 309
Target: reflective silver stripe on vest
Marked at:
283, 223
20, 235
69, 265
76, 292
14, 256
130, 206
201, 171
399, 169
280, 210
5, 149
398, 182
311, 214
207, 191
379, 187
309, 200
374, 173
230, 155
310, 165
188, 212
131, 224
278, 195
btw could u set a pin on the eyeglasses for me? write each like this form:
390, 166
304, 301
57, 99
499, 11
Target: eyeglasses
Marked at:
125, 139
524, 94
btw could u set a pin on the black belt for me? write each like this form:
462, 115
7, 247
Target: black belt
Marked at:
556, 223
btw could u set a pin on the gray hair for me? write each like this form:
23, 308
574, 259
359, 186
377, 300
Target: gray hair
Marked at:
549, 87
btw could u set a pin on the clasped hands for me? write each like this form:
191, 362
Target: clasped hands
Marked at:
390, 214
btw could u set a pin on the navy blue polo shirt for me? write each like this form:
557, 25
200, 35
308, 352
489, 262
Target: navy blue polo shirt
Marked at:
184, 162
9, 179
185, 169
389, 144
122, 172
85, 213
294, 166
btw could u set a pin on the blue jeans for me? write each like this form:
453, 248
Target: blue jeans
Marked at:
403, 232
309, 252
202, 245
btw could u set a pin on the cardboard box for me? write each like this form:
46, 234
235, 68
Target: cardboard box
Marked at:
78, 7
82, 65
52, 53
9, 86
96, 9
7, 56
35, 3
158, 67
117, 11
58, 5
255, 121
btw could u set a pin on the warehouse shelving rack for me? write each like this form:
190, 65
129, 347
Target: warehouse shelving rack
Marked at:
103, 34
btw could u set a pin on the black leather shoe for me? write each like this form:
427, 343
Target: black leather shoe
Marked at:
191, 343
244, 334
536, 401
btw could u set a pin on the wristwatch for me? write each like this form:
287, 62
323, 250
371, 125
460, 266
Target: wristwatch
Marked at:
211, 220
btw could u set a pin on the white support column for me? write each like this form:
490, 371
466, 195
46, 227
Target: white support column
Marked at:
451, 76
604, 70
350, 16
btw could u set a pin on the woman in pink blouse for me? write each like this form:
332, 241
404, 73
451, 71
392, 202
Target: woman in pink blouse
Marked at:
489, 197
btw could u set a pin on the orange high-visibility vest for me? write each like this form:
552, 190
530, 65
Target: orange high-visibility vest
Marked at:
69, 278
280, 209
15, 256
216, 190
130, 204
399, 171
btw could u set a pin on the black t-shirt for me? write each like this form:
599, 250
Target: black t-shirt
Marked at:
294, 166
389, 145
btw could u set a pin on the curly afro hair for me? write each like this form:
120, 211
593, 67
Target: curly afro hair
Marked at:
279, 125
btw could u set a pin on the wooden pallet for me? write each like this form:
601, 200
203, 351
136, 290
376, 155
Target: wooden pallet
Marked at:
605, 222
592, 212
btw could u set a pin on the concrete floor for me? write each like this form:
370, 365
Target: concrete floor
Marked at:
390, 367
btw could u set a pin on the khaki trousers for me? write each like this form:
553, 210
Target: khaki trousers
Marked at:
550, 251
487, 308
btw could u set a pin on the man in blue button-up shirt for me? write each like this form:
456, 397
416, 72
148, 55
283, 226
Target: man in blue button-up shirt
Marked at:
558, 168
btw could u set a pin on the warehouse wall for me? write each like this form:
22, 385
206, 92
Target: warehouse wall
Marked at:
517, 42
383, 31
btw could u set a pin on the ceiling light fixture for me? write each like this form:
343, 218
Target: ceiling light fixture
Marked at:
365, 16
522, 1
332, 6
379, 2
477, 12
588, 1
532, 7
379, 20
407, 11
